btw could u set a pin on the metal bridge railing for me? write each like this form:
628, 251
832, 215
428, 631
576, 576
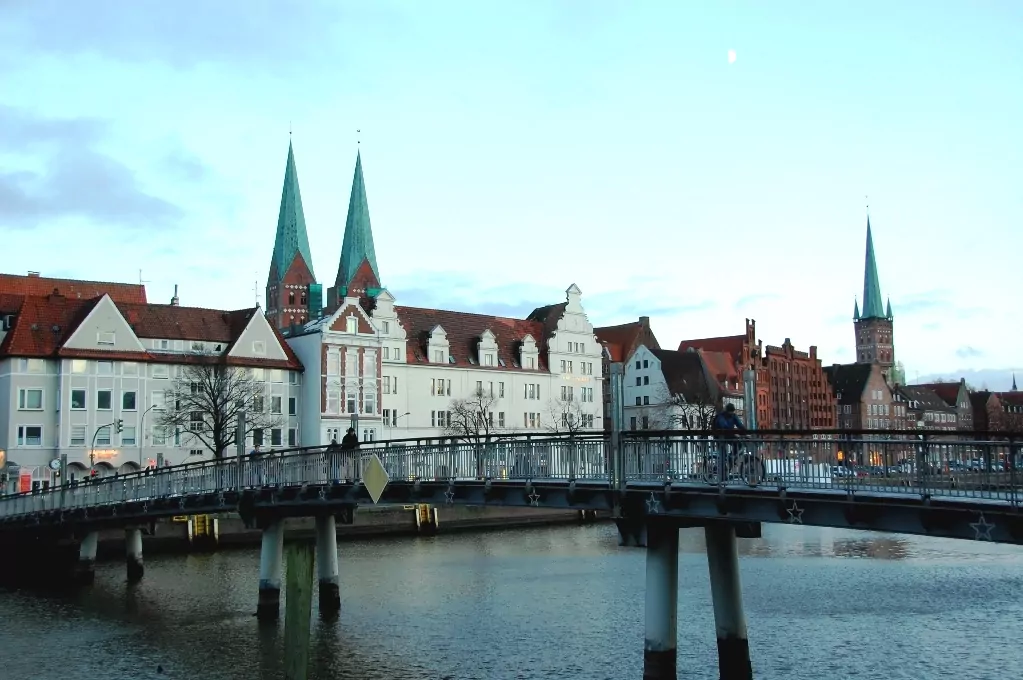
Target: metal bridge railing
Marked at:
928, 464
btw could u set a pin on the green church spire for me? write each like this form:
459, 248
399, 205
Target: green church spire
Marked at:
873, 308
291, 235
357, 246
856, 310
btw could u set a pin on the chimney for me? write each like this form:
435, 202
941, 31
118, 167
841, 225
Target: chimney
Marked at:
34, 275
813, 351
644, 321
174, 300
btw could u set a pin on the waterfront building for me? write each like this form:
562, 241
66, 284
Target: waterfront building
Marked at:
618, 344
671, 390
78, 357
397, 371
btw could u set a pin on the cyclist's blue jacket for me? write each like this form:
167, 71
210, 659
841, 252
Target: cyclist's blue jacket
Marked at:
725, 422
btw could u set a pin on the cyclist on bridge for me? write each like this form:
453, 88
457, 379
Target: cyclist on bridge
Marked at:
725, 427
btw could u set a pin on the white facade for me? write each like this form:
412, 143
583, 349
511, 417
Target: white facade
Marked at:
58, 404
645, 393
365, 364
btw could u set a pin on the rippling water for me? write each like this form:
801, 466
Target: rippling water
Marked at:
544, 603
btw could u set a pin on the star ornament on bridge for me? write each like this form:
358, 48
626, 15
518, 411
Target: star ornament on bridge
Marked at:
534, 498
449, 497
653, 506
795, 513
982, 529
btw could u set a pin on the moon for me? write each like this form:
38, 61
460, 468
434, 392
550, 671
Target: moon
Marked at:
731, 56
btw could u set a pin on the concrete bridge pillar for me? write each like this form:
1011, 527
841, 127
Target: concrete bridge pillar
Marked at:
326, 564
269, 603
660, 651
85, 570
133, 553
726, 589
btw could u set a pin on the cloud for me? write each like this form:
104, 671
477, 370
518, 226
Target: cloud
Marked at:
968, 352
255, 34
755, 299
72, 177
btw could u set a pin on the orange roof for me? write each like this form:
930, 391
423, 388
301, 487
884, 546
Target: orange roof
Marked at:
622, 340
44, 324
731, 344
40, 286
463, 332
720, 365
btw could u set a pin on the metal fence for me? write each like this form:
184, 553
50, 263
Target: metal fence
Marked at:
981, 468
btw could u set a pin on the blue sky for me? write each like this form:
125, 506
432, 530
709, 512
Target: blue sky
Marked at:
512, 149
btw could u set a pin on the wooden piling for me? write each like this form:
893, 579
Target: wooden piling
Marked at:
298, 610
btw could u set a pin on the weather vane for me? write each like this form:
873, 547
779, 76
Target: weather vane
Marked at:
358, 133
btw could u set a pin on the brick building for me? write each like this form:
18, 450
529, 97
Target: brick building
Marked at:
956, 395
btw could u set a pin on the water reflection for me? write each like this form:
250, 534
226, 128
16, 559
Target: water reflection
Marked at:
540, 603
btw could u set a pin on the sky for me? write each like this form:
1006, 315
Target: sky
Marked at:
698, 163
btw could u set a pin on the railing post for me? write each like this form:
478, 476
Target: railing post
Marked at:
240, 446
616, 458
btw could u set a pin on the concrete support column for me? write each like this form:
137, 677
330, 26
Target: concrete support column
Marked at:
85, 571
726, 589
326, 564
269, 604
659, 647
133, 553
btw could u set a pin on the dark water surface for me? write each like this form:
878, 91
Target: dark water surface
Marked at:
544, 603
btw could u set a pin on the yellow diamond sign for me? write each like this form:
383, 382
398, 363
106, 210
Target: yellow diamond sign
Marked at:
374, 477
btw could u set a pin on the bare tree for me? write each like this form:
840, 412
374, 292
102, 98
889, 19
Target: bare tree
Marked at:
568, 416
472, 420
677, 412
206, 399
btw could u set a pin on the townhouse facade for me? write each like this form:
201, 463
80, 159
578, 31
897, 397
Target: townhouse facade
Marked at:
619, 343
401, 372
670, 390
89, 378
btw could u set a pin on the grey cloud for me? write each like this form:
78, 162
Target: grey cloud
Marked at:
73, 178
968, 352
264, 33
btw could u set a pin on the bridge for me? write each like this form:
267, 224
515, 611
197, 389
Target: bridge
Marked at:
955, 485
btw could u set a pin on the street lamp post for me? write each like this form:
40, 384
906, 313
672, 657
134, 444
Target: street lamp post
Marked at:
142, 432
92, 448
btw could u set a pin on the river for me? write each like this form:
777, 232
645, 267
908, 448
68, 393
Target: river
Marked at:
563, 602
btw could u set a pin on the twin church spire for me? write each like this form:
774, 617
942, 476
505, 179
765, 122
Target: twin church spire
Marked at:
872, 306
292, 294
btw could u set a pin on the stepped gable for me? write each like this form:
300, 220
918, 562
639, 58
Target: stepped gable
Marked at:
41, 286
463, 331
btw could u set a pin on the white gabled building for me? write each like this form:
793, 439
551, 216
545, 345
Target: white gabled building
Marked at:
398, 369
86, 355
668, 390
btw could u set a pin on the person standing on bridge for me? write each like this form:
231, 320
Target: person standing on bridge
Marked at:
726, 426
349, 445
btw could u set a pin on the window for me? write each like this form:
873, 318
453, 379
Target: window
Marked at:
291, 297
646, 380
369, 435
129, 368
500, 418
259, 374
198, 346
159, 400
103, 436
352, 407
195, 421
103, 400
32, 365
369, 401
385, 327
30, 435
351, 325
292, 378
105, 367
632, 422
438, 356
387, 383
275, 436
275, 404
159, 436
257, 404
292, 406
333, 402
257, 437
387, 353
488, 359
160, 371
276, 375
30, 399
127, 401
563, 364
500, 390
639, 381
587, 420
440, 418
646, 401
79, 366
195, 452
333, 434
439, 387
258, 347
566, 393
645, 363
479, 387
292, 437
638, 401
333, 363
78, 435
531, 362
77, 399
128, 436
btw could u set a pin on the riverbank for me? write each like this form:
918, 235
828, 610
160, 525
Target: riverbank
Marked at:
389, 520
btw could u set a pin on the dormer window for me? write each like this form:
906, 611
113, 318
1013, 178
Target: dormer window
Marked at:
258, 347
351, 325
105, 338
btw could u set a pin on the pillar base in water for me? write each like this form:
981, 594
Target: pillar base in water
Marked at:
268, 607
661, 665
135, 569
85, 572
330, 597
733, 659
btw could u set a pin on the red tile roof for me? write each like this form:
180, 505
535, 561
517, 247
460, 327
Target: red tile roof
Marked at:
732, 344
948, 391
44, 324
40, 286
721, 366
686, 376
622, 340
463, 332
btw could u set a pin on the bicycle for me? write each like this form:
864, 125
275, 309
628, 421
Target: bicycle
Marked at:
741, 464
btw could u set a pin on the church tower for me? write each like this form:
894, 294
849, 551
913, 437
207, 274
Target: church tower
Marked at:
357, 273
292, 294
874, 339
